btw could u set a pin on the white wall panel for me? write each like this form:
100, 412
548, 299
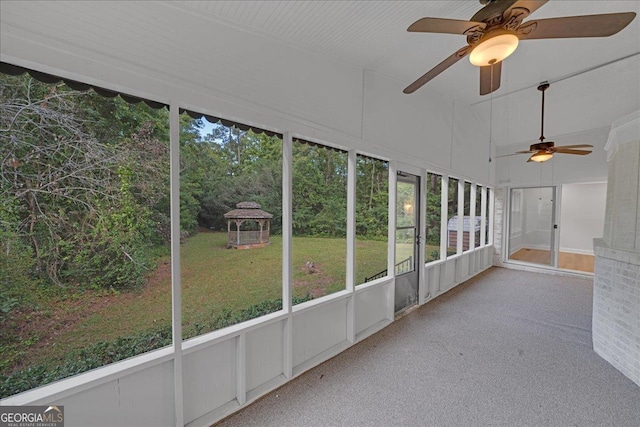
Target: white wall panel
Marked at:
432, 276
444, 276
264, 357
449, 276
209, 378
95, 407
581, 216
371, 306
463, 267
470, 153
414, 124
144, 398
318, 329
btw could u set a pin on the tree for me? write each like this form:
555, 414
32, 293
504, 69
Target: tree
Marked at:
226, 167
434, 213
85, 195
372, 194
319, 191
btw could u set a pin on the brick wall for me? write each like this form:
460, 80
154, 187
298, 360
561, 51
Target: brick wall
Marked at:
616, 292
616, 309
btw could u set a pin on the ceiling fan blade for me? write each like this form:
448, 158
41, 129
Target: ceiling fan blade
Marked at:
570, 151
446, 26
517, 153
576, 146
603, 25
490, 78
461, 53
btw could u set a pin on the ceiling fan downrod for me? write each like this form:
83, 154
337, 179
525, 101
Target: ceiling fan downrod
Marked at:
543, 86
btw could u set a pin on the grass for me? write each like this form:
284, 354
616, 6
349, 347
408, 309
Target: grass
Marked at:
65, 331
214, 280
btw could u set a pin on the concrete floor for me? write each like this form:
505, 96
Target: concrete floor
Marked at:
506, 348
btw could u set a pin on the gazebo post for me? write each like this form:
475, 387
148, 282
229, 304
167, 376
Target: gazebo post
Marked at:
261, 222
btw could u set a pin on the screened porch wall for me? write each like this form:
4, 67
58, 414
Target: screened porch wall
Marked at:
210, 376
228, 369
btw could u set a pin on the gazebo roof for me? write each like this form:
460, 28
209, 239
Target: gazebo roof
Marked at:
248, 210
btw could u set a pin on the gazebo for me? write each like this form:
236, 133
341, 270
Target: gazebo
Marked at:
251, 226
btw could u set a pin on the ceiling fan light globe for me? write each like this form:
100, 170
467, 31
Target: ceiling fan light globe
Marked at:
494, 49
541, 157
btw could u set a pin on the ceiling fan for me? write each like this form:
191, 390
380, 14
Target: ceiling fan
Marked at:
544, 150
494, 31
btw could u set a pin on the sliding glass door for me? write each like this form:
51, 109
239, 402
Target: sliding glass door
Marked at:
532, 225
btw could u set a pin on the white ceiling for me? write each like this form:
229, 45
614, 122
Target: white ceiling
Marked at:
372, 35
369, 35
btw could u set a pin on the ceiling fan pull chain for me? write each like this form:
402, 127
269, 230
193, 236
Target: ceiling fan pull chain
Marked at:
490, 113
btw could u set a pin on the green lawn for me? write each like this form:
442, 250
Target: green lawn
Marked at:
220, 286
214, 279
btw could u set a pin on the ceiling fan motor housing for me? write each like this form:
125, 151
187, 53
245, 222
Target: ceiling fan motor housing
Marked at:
542, 146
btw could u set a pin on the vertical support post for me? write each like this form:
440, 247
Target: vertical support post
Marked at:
176, 309
444, 217
351, 244
491, 196
505, 224
261, 223
483, 217
472, 217
556, 209
460, 237
391, 256
241, 369
423, 284
287, 232
351, 219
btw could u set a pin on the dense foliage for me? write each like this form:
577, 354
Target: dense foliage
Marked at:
85, 198
84, 182
434, 210
84, 185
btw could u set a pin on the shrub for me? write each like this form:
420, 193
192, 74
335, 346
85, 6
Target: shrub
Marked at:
103, 353
16, 264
